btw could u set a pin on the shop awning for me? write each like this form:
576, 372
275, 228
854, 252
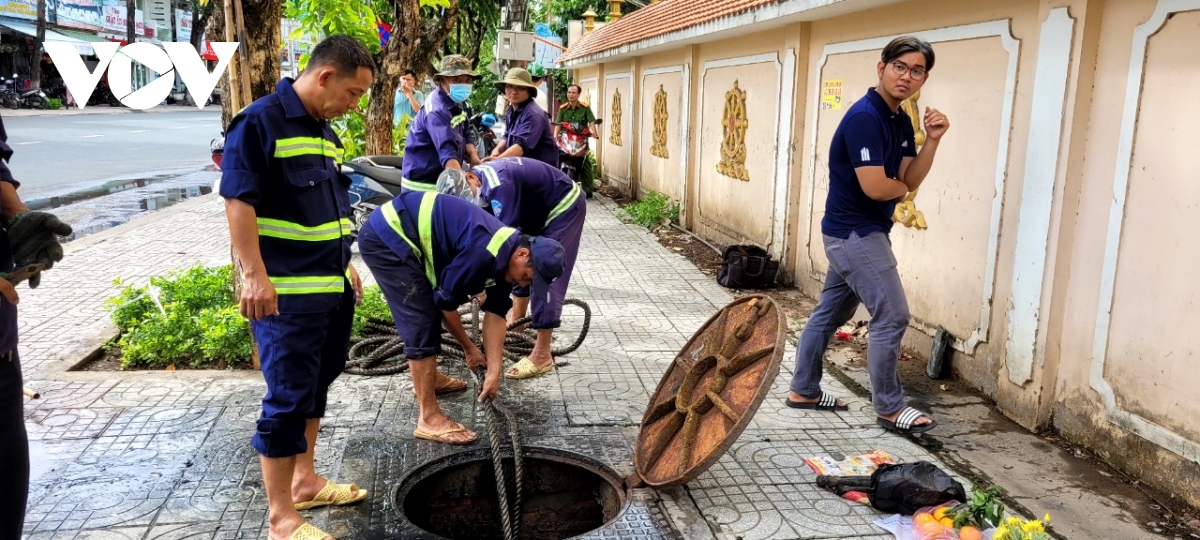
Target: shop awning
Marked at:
28, 28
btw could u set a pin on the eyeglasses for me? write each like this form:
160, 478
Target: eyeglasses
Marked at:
900, 68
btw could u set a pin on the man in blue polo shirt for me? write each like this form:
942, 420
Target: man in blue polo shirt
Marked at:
430, 254
440, 137
538, 200
873, 163
289, 218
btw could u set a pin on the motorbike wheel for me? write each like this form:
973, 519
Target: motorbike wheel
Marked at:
35, 102
12, 102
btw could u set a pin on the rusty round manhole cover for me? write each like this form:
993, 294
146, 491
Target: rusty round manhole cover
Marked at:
710, 392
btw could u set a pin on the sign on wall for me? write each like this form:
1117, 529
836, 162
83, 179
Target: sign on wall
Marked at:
83, 14
831, 95
19, 9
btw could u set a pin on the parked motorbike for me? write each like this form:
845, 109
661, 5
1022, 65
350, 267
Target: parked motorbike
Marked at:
9, 97
485, 138
34, 99
573, 148
374, 180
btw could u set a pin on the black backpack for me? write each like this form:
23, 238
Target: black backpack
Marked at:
747, 267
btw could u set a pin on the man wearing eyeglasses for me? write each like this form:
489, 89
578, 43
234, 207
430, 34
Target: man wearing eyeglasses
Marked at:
873, 163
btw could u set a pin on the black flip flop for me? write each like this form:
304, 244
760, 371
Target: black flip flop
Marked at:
906, 422
826, 403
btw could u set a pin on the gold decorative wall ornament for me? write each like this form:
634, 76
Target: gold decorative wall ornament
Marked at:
906, 212
659, 148
733, 145
614, 133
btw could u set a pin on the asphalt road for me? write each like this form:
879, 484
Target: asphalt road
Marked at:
55, 154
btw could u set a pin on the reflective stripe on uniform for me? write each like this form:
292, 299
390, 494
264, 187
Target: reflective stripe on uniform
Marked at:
454, 122
307, 146
278, 228
564, 204
308, 284
413, 185
499, 238
425, 233
493, 180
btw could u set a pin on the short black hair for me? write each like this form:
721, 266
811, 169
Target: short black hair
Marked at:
410, 73
343, 53
576, 87
527, 243
908, 44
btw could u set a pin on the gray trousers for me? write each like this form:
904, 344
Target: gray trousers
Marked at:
861, 270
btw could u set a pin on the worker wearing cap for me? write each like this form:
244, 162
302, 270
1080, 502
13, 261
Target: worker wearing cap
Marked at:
527, 131
430, 254
439, 137
539, 200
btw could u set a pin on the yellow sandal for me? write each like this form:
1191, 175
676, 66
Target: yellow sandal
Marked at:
335, 494
526, 369
308, 532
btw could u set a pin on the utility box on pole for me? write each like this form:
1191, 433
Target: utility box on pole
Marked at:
511, 45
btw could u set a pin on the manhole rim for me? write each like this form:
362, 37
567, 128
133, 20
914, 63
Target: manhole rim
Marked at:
429, 467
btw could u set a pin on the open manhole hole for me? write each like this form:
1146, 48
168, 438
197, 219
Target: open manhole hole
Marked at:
703, 402
566, 495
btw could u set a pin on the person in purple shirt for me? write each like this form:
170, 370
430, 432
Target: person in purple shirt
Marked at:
526, 126
539, 200
430, 254
439, 137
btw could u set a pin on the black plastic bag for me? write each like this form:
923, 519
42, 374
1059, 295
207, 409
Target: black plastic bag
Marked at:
908, 487
747, 267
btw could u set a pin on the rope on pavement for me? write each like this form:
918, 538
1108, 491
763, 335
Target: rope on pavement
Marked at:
380, 349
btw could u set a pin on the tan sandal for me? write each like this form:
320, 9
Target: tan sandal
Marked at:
440, 436
308, 532
335, 494
526, 369
446, 385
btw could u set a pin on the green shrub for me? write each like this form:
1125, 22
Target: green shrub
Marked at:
54, 103
652, 210
373, 307
198, 323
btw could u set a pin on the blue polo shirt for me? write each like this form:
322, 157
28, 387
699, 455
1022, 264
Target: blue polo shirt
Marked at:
869, 135
470, 248
529, 126
523, 192
438, 134
284, 163
8, 311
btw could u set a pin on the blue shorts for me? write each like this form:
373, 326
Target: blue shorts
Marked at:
301, 354
401, 277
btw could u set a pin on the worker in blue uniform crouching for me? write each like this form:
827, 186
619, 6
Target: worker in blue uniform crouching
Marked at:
431, 253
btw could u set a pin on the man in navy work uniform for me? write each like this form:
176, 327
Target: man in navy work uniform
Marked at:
26, 238
430, 254
289, 217
873, 163
439, 137
527, 129
538, 200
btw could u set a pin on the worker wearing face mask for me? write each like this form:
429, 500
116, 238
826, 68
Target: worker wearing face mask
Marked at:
439, 138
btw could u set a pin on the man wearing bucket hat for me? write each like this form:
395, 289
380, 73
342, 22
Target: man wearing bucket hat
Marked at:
430, 254
527, 126
536, 199
439, 138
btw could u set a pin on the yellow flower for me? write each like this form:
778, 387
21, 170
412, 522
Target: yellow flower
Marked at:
1001, 533
1047, 518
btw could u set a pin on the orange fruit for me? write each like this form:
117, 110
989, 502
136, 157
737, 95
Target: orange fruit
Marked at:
970, 533
924, 519
940, 513
946, 522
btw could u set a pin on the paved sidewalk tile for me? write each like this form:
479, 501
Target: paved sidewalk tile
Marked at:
166, 455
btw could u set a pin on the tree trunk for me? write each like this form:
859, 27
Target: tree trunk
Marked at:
171, 15
260, 42
200, 20
130, 21
36, 76
412, 45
